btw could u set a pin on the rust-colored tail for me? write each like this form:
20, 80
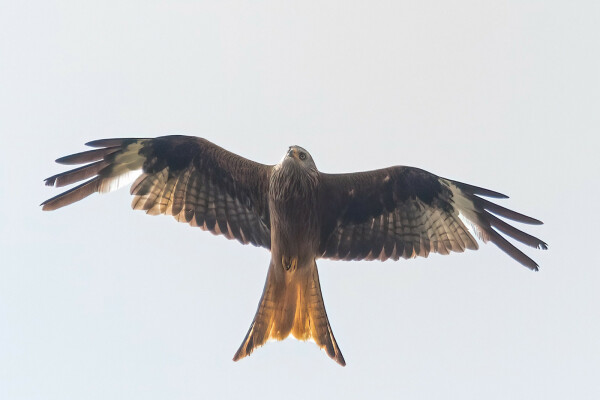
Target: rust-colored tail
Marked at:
291, 303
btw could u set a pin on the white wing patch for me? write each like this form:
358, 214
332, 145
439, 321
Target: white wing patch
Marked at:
126, 167
466, 211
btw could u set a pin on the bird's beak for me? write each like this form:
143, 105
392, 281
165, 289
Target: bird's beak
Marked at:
292, 153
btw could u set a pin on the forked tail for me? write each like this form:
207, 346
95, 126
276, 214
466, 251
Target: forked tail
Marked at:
291, 303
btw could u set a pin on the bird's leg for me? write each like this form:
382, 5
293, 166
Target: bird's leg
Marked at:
289, 263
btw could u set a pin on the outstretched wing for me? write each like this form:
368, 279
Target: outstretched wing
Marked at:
407, 212
190, 178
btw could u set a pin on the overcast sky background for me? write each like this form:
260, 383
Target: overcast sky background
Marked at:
100, 302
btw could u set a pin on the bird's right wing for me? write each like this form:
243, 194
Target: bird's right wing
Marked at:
190, 178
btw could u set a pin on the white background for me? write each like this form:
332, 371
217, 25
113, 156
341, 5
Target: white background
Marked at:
100, 302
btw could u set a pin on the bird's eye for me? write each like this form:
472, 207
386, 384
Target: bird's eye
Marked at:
302, 156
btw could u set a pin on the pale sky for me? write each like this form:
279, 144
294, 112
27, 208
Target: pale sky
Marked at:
100, 302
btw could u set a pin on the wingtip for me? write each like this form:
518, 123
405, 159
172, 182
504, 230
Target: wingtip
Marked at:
495, 195
533, 266
477, 190
61, 160
93, 143
64, 160
109, 142
45, 206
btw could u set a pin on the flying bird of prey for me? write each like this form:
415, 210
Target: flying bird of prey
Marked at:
298, 213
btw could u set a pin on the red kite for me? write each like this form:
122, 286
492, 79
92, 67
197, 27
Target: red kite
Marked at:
297, 212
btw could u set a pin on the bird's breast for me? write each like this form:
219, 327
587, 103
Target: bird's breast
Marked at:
294, 217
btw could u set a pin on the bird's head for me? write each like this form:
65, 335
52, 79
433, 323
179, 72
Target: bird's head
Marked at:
299, 155
297, 166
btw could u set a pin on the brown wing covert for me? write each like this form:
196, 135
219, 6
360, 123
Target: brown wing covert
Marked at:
190, 178
408, 212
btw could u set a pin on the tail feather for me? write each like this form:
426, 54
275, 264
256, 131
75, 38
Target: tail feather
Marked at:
291, 307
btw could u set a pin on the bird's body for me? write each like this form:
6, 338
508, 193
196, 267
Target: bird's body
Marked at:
293, 209
297, 212
292, 302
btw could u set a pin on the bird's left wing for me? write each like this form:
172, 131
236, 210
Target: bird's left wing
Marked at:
190, 178
408, 212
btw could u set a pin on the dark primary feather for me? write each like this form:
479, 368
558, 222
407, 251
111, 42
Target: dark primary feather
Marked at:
482, 216
77, 174
480, 191
408, 212
505, 212
88, 156
190, 178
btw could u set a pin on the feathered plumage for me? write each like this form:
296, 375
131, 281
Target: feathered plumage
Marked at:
298, 213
